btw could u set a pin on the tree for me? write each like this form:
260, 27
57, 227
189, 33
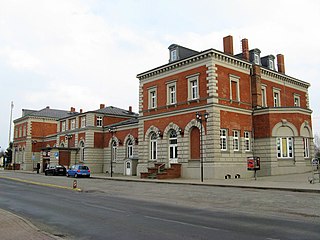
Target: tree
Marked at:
316, 145
8, 154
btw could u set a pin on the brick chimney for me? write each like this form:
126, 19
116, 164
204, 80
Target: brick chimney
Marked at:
102, 106
280, 63
72, 109
245, 49
130, 109
228, 44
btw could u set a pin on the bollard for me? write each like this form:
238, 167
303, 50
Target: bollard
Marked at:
74, 184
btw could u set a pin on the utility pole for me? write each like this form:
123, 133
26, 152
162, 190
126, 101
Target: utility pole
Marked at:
10, 125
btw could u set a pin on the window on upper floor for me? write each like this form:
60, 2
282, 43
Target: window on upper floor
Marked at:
152, 98
24, 131
276, 98
193, 87
256, 59
234, 88
296, 100
173, 55
171, 93
99, 121
63, 126
271, 65
285, 147
264, 96
83, 122
235, 140
72, 124
223, 139
20, 131
16, 133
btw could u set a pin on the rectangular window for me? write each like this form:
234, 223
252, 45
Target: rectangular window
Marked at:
234, 88
171, 94
99, 121
256, 59
223, 139
63, 126
271, 65
152, 98
72, 124
285, 147
20, 131
306, 147
264, 96
173, 55
193, 87
153, 150
247, 141
25, 131
276, 98
235, 140
83, 122
297, 101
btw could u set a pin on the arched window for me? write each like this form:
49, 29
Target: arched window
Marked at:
153, 147
195, 143
114, 151
81, 146
173, 146
129, 149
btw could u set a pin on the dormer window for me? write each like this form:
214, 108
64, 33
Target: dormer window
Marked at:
271, 65
173, 55
256, 59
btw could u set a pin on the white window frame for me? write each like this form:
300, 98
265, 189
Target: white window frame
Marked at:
223, 139
114, 149
280, 148
235, 79
81, 146
129, 148
153, 147
193, 89
72, 123
247, 141
152, 96
171, 94
276, 98
271, 64
296, 100
63, 126
20, 131
235, 140
99, 121
173, 145
24, 131
306, 148
173, 55
264, 96
256, 58
83, 121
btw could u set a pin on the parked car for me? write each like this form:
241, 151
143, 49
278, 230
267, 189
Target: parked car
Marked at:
78, 171
55, 170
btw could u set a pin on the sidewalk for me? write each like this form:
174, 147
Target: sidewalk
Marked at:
13, 227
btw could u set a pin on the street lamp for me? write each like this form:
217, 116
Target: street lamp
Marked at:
200, 119
112, 131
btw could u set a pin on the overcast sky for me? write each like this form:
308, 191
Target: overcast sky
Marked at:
80, 53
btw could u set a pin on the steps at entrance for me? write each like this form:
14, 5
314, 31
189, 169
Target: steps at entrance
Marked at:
159, 171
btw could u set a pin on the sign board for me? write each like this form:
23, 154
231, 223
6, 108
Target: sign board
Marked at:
253, 163
315, 162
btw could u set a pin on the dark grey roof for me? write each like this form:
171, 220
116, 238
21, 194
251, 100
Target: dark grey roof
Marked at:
116, 111
126, 122
47, 112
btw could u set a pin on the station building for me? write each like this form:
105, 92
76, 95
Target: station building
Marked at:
202, 114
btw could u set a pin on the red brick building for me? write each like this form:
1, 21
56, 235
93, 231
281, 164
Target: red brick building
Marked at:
247, 109
252, 110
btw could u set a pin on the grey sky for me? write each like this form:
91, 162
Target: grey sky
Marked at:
63, 53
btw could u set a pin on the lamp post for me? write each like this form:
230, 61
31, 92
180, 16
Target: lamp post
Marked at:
199, 118
111, 130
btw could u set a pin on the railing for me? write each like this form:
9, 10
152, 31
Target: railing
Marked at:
161, 166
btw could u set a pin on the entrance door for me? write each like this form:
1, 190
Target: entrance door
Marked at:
128, 168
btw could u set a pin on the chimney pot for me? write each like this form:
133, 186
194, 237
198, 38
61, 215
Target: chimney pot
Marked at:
80, 110
228, 44
102, 106
72, 109
130, 109
245, 49
280, 63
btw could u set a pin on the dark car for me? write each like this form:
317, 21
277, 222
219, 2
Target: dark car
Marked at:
78, 171
55, 170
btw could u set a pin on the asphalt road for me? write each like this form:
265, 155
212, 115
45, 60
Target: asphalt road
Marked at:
102, 215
